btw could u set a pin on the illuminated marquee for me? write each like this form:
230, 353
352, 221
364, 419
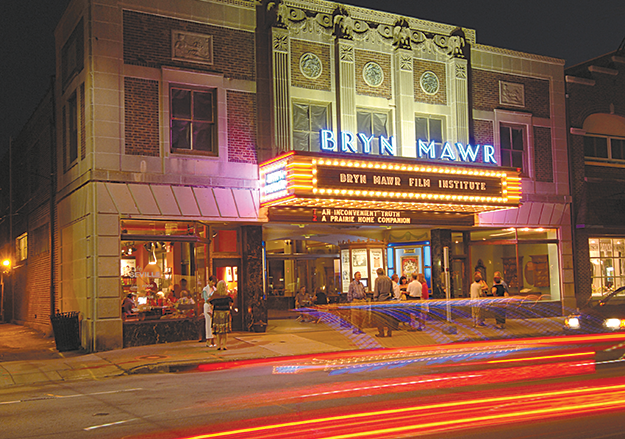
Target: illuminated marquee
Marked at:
347, 143
312, 180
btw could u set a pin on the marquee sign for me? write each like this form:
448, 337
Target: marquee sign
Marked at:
314, 180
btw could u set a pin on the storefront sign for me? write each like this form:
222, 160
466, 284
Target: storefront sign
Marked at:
377, 217
317, 180
421, 182
347, 143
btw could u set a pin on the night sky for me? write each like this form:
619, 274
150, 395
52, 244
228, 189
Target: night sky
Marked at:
574, 30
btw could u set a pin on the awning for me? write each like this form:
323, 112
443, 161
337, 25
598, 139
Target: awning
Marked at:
134, 200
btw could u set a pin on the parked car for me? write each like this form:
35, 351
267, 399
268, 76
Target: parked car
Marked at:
606, 314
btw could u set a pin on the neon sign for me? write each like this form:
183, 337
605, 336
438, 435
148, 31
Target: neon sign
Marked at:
363, 144
275, 181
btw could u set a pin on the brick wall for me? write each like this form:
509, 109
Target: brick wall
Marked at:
606, 96
241, 127
543, 157
147, 42
483, 130
141, 117
38, 277
486, 93
384, 60
298, 48
419, 68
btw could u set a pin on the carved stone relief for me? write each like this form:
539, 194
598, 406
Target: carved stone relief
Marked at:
190, 47
429, 82
461, 71
310, 65
346, 53
373, 74
511, 94
280, 43
405, 62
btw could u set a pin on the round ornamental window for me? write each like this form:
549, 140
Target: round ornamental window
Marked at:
429, 83
310, 65
373, 74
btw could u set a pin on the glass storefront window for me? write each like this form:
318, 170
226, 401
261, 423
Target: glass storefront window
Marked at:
607, 261
161, 278
527, 259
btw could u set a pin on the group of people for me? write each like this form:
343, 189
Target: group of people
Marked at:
217, 306
304, 299
479, 290
387, 289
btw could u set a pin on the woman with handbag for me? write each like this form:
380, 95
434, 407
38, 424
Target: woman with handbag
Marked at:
222, 303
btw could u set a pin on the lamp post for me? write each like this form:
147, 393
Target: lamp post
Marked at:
5, 270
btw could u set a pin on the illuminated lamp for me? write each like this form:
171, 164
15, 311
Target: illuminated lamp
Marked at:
336, 163
315, 190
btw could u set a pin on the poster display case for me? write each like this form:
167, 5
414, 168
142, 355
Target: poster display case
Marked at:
364, 257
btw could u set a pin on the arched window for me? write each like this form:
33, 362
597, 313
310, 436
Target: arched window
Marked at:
605, 137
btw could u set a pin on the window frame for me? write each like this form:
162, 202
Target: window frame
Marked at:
609, 139
21, 247
430, 117
524, 151
326, 105
389, 125
214, 122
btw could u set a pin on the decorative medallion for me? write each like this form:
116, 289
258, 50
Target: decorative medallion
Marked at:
310, 65
429, 82
373, 74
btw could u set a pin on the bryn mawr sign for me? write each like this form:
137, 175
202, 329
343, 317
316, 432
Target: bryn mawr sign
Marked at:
347, 143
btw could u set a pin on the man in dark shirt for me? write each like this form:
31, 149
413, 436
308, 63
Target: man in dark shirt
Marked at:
383, 292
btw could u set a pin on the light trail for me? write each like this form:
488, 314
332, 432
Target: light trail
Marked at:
450, 415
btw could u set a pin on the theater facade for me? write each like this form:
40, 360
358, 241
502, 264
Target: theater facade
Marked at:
289, 143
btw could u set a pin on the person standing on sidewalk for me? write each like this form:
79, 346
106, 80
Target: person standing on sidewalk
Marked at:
207, 293
499, 289
383, 291
356, 297
222, 303
414, 292
476, 294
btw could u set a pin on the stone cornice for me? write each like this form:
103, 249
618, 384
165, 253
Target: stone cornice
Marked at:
518, 54
577, 80
604, 70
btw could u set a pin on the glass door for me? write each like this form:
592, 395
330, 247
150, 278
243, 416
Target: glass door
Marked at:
228, 270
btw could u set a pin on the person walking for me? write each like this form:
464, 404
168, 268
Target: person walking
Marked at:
222, 303
382, 292
476, 294
356, 297
425, 295
207, 293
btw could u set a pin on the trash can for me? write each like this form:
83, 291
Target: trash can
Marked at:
66, 331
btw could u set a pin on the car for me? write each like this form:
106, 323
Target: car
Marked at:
605, 314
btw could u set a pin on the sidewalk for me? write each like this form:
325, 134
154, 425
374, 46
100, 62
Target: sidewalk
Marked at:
28, 358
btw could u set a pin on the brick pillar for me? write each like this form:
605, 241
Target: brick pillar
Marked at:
440, 238
251, 283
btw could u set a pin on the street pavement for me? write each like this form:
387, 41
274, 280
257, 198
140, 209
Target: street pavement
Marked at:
27, 357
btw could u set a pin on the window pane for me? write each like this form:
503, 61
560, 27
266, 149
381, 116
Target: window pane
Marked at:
380, 124
589, 146
602, 147
203, 106
505, 158
517, 159
540, 271
436, 130
180, 103
180, 134
300, 141
203, 136
318, 118
421, 127
504, 135
517, 139
618, 146
301, 121
364, 123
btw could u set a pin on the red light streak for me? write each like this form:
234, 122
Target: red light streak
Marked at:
450, 415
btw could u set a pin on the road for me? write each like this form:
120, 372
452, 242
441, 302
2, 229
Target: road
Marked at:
553, 387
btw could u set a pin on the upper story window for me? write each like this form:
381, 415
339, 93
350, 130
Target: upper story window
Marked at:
604, 148
72, 128
21, 247
72, 54
512, 146
308, 121
373, 123
428, 129
193, 121
605, 137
